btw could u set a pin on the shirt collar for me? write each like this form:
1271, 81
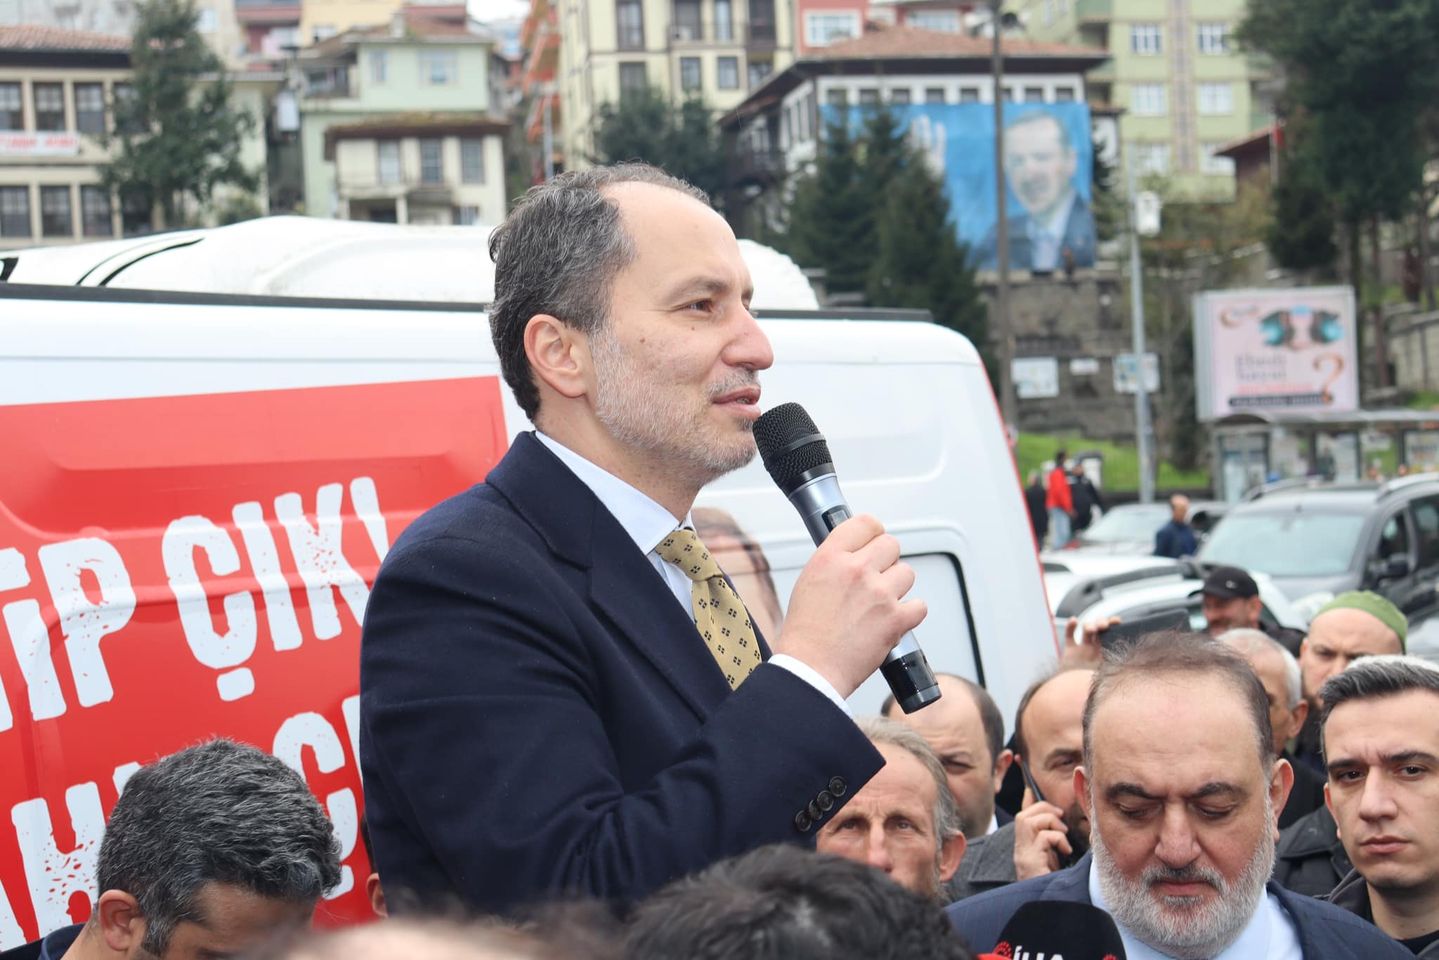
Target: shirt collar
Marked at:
642, 518
1253, 940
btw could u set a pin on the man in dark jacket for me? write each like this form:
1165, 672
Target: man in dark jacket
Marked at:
1176, 538
1309, 858
1381, 741
1085, 497
1181, 787
1034, 497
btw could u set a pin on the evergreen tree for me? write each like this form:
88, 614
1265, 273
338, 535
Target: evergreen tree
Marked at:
679, 140
178, 136
1301, 236
831, 218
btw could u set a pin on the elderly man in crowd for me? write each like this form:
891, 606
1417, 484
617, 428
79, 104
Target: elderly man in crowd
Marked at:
966, 731
1278, 671
1381, 740
1050, 831
904, 821
1311, 858
208, 852
1182, 787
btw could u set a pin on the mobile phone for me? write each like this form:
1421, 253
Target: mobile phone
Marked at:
1034, 790
1128, 632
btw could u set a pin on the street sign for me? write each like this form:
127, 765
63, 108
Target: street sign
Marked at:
1125, 378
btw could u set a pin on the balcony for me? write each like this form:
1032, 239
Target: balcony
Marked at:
760, 168
703, 33
760, 35
1094, 11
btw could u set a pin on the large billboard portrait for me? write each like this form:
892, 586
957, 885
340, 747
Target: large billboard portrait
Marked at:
1048, 165
1291, 349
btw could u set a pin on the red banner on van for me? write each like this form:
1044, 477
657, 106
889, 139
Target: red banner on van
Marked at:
179, 568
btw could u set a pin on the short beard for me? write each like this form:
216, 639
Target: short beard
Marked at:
1183, 927
629, 405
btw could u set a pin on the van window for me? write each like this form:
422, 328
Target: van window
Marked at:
1426, 524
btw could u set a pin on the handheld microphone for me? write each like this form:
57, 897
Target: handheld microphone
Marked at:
798, 460
1060, 928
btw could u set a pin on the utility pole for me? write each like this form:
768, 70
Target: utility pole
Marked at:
1141, 388
1007, 403
549, 138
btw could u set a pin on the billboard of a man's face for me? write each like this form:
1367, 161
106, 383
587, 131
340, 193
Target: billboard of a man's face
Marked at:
1038, 163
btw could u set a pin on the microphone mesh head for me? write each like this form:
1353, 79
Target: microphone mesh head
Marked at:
789, 444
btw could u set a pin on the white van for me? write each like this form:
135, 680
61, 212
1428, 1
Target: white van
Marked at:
196, 490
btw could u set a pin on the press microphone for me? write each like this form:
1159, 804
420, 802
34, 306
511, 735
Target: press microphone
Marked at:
1060, 928
798, 460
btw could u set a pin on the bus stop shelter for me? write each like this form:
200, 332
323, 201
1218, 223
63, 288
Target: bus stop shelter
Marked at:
1262, 446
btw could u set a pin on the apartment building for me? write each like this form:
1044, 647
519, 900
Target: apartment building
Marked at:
716, 50
398, 122
57, 89
825, 22
1174, 71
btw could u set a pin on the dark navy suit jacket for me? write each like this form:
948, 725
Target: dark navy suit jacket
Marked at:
539, 716
1078, 236
1325, 931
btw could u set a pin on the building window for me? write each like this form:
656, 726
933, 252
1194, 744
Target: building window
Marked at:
727, 73
1063, 94
688, 23
387, 161
940, 21
1008, 93
1213, 38
934, 94
439, 68
869, 97
899, 96
379, 66
1209, 163
837, 97
1148, 100
1151, 158
1216, 99
467, 216
759, 71
1146, 39
632, 80
55, 219
135, 214
323, 31
724, 23
968, 94
124, 94
822, 29
1033, 94
49, 106
15, 212
12, 114
472, 160
690, 79
95, 212
432, 165
206, 20
90, 108
630, 21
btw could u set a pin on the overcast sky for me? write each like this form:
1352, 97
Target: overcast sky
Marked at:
498, 9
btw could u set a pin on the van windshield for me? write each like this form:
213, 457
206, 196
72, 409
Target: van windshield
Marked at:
1285, 544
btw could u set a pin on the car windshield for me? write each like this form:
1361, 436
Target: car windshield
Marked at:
1289, 544
1128, 523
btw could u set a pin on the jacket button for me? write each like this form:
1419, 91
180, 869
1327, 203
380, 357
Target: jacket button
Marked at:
814, 811
825, 801
802, 822
837, 786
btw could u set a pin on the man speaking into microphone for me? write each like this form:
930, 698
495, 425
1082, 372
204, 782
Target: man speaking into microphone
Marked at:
560, 692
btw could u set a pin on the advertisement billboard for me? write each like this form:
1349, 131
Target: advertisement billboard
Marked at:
1291, 349
1048, 163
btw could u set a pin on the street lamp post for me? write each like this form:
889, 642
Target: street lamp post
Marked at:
1007, 403
1143, 448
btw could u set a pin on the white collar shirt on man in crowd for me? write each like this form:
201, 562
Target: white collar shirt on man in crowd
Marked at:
647, 523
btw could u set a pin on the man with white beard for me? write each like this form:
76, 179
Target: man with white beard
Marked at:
1181, 785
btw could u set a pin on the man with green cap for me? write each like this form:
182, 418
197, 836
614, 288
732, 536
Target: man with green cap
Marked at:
1360, 623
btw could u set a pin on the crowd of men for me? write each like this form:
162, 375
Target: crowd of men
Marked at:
577, 744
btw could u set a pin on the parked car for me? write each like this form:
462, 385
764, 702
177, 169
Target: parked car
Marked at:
1315, 541
1130, 527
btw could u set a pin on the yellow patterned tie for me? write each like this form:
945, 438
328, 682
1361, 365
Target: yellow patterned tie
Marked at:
720, 616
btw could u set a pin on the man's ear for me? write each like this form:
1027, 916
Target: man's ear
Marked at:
121, 922
1081, 791
1300, 713
559, 355
1001, 767
951, 852
1281, 781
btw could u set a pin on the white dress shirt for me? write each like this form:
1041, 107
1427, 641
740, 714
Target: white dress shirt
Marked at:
648, 524
1269, 935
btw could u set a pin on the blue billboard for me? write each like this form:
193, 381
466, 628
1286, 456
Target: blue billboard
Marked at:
1048, 164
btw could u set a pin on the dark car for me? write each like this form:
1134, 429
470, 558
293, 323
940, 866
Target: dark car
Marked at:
1319, 540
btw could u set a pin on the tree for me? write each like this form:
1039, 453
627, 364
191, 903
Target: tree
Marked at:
178, 135
679, 140
1301, 235
830, 217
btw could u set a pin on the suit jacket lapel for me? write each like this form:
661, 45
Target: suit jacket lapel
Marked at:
622, 583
